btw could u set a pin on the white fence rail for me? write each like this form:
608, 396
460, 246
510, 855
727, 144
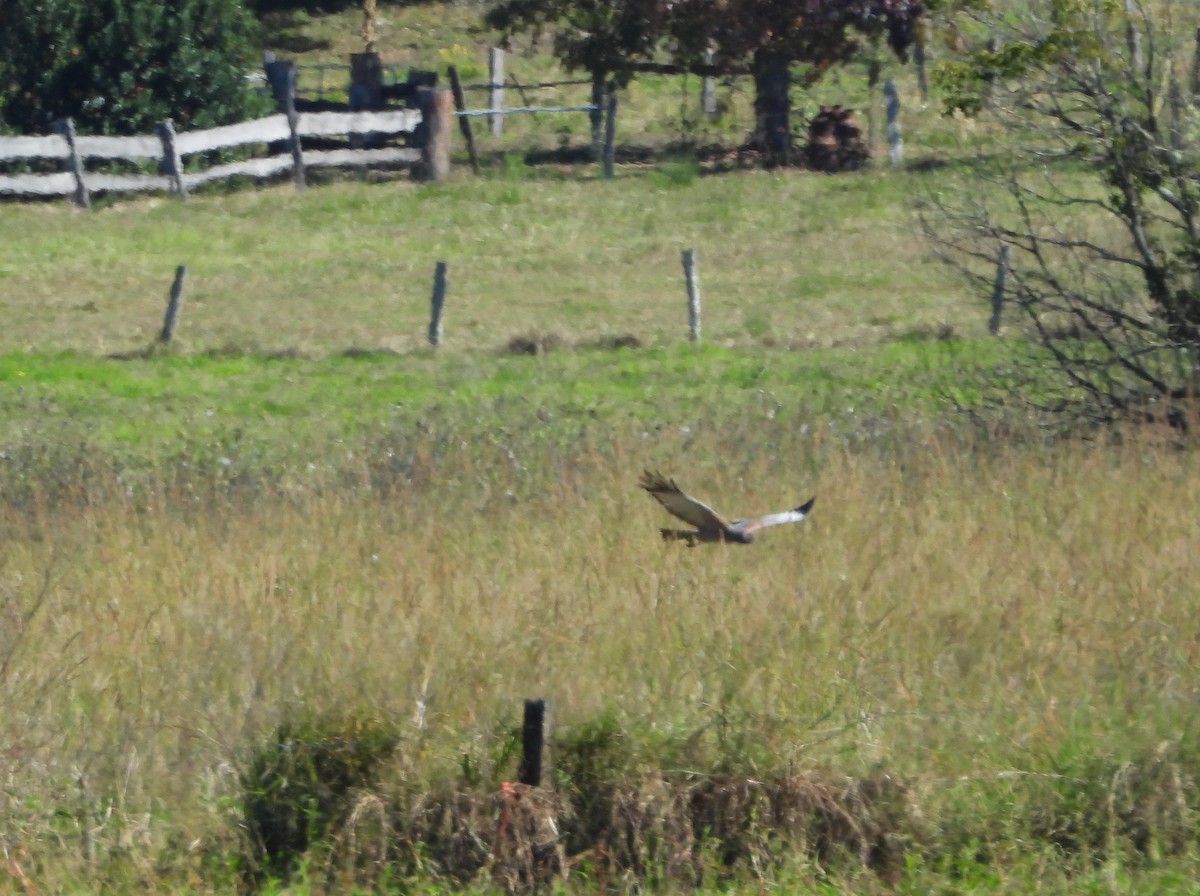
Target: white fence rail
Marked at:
167, 150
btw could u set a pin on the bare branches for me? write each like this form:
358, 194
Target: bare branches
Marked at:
1099, 207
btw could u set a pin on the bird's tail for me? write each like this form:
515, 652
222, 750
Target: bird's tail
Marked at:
679, 535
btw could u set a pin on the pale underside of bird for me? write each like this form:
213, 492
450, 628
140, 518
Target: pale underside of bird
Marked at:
709, 525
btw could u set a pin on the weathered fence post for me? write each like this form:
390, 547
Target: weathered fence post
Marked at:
998, 289
173, 302
610, 135
437, 118
533, 737
891, 100
281, 76
437, 301
464, 121
692, 281
66, 127
1195, 79
495, 90
708, 90
172, 164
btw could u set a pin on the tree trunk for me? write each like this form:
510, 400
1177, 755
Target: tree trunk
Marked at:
772, 106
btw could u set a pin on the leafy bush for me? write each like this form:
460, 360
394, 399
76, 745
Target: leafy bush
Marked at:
118, 66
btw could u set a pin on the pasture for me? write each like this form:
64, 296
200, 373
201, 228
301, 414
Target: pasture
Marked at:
299, 511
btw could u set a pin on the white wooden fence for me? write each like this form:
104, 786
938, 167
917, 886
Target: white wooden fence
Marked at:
167, 150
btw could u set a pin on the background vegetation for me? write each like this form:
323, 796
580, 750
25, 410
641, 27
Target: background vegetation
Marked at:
270, 599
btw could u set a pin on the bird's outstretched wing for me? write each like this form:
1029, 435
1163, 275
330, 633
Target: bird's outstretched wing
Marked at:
795, 515
688, 509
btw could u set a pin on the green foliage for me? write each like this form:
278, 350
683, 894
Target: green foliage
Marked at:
118, 66
302, 781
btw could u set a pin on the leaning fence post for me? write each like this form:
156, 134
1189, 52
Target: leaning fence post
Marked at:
496, 90
437, 118
66, 127
286, 75
891, 99
464, 121
533, 737
610, 135
436, 302
172, 164
693, 294
998, 289
172, 315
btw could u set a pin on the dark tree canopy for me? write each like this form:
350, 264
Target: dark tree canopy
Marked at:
603, 35
117, 66
762, 37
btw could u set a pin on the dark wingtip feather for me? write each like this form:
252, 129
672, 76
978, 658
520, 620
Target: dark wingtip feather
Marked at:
807, 505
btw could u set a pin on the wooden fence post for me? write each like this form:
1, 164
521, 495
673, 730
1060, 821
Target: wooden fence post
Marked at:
437, 301
998, 289
692, 282
891, 100
1195, 79
708, 90
464, 121
66, 127
610, 135
366, 81
496, 90
437, 118
282, 76
172, 164
172, 315
533, 737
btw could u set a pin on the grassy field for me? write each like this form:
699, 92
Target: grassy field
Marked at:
299, 531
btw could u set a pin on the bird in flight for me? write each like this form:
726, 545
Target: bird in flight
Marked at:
710, 525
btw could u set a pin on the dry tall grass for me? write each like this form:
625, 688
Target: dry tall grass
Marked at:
954, 616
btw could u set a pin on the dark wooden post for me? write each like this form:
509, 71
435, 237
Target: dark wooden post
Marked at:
610, 135
496, 90
437, 116
172, 315
895, 138
172, 165
66, 127
533, 737
437, 302
998, 289
692, 282
366, 81
464, 121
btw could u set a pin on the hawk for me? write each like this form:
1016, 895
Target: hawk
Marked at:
710, 525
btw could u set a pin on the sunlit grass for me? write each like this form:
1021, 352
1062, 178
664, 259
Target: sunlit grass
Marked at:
949, 615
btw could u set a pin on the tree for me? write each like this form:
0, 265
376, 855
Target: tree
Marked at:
117, 66
761, 37
1093, 182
